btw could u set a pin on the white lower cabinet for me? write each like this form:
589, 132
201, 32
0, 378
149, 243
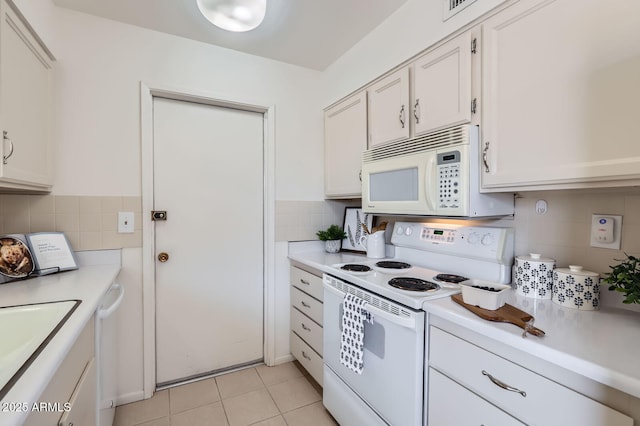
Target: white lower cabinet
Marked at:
306, 321
82, 405
527, 396
466, 408
71, 393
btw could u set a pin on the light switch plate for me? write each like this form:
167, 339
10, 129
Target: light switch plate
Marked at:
125, 222
606, 230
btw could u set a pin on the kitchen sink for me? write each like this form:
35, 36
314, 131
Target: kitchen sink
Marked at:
25, 331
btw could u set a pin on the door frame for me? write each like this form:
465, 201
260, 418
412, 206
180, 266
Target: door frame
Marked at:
147, 93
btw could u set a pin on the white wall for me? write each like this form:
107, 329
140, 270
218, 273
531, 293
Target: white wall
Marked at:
98, 72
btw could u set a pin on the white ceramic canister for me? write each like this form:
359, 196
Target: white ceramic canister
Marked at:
576, 288
533, 276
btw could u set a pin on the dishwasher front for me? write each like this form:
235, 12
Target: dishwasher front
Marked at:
106, 355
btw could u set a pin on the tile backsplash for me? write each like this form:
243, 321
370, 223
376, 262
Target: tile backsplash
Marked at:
90, 223
300, 220
562, 233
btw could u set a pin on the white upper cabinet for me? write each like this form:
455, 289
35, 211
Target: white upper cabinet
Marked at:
25, 105
442, 86
431, 93
561, 84
389, 109
345, 137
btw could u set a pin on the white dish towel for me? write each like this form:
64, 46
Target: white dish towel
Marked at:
354, 316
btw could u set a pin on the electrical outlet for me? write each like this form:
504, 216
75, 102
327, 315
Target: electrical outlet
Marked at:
125, 222
605, 231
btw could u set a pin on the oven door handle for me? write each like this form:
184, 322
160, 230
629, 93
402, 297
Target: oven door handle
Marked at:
409, 323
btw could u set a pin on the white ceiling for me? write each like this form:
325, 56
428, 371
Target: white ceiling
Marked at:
309, 33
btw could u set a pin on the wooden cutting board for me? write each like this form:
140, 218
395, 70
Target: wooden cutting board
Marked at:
506, 313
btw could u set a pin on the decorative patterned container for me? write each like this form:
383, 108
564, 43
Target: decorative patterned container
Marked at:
577, 289
533, 276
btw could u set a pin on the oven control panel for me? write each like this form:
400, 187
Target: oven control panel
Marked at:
469, 241
438, 235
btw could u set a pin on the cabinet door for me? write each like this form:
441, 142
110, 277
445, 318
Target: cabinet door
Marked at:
389, 109
345, 137
468, 409
82, 405
442, 86
25, 103
561, 95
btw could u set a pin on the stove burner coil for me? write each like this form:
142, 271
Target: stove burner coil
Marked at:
392, 264
354, 267
451, 278
413, 284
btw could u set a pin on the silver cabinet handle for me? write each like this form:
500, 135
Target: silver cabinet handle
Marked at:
306, 356
503, 385
5, 138
484, 157
304, 282
305, 304
402, 116
416, 111
304, 327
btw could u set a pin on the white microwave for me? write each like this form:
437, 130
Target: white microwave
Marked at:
433, 175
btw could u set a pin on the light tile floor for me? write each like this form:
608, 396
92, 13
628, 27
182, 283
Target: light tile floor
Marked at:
266, 396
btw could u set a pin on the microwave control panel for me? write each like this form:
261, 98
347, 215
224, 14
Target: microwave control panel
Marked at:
449, 180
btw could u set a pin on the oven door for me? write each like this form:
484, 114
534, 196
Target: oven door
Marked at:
391, 383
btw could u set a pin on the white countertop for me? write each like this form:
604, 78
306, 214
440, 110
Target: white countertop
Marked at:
311, 253
88, 284
600, 345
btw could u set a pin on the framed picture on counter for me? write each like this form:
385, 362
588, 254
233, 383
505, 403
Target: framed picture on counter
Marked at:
354, 218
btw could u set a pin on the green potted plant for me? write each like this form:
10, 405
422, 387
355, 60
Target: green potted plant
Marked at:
332, 238
625, 278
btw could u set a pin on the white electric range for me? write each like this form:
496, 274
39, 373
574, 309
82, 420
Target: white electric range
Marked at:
429, 261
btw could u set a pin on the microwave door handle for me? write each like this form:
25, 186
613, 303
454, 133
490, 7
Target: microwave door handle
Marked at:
430, 180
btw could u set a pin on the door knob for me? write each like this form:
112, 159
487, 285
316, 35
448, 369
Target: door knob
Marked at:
163, 257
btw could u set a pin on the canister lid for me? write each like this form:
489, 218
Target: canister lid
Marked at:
535, 257
577, 270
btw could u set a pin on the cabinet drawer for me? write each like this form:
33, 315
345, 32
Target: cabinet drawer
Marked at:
307, 305
443, 390
309, 359
308, 330
541, 402
307, 282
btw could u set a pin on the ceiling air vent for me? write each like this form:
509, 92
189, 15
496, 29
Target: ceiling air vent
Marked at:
451, 7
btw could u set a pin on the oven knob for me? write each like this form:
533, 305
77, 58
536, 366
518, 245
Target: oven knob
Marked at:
399, 230
487, 239
408, 231
473, 238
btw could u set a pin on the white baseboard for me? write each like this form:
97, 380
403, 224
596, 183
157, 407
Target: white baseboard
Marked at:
284, 359
130, 397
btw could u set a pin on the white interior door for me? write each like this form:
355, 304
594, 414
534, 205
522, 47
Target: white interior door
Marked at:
208, 176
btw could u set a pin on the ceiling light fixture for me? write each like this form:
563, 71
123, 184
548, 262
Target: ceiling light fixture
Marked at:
233, 15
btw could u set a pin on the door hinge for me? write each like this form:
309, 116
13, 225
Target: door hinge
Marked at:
474, 45
474, 105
